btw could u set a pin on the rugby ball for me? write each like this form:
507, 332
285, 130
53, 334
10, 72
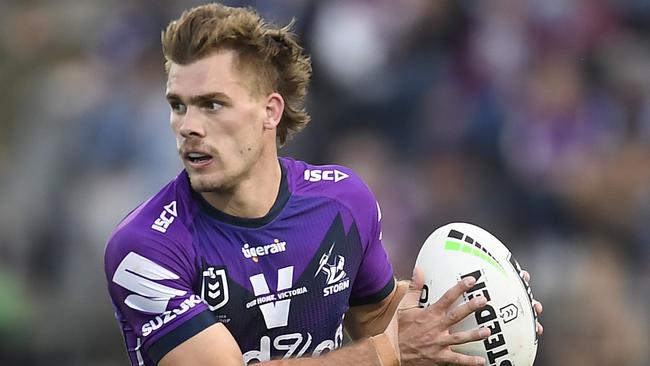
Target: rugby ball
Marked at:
459, 250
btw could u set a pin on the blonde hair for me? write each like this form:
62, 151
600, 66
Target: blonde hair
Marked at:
272, 55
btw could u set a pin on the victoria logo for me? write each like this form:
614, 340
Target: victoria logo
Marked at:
336, 279
214, 289
275, 306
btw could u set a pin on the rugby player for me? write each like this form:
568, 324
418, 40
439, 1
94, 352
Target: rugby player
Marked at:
247, 257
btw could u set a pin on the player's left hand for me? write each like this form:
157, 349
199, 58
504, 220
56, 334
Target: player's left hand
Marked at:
536, 304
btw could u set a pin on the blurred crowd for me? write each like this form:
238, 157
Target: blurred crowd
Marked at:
528, 118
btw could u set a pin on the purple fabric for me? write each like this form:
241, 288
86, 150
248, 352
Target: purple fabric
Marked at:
325, 237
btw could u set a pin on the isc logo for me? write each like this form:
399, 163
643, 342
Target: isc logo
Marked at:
164, 220
317, 175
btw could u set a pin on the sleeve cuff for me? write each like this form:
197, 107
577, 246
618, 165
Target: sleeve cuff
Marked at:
183, 332
377, 296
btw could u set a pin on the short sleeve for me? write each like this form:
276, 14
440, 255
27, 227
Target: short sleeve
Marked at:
374, 279
150, 282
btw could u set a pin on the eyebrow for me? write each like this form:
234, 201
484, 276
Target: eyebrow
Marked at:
198, 99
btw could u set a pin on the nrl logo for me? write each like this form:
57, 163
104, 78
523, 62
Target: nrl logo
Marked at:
214, 288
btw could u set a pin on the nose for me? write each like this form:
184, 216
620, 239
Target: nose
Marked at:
191, 124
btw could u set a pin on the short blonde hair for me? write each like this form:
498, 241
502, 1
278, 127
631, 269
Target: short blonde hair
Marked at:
271, 55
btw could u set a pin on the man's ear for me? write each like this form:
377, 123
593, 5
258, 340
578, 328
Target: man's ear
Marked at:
274, 109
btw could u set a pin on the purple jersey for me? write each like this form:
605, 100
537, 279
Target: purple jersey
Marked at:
280, 284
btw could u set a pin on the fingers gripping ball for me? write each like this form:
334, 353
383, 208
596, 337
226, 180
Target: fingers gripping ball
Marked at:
460, 250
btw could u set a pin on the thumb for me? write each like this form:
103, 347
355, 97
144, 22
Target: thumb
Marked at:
410, 300
417, 281
412, 297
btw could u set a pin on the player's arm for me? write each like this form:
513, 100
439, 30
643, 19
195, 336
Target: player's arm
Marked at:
415, 336
375, 294
372, 319
212, 346
215, 346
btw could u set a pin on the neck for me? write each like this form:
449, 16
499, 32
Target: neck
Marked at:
254, 196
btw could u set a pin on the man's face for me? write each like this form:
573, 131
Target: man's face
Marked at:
219, 125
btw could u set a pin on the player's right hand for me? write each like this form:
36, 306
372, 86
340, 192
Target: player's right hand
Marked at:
422, 334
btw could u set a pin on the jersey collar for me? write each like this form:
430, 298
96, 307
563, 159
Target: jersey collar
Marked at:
280, 201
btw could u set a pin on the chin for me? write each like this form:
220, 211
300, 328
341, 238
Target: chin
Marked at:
208, 183
203, 183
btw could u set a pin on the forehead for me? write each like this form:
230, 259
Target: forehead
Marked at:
213, 73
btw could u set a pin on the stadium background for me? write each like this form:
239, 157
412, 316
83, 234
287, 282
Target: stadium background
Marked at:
529, 118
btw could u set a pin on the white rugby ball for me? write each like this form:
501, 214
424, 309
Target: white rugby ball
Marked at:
459, 250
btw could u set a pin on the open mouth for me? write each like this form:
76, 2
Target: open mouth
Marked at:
197, 158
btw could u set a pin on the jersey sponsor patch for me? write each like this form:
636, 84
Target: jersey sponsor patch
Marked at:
292, 345
317, 175
214, 287
166, 217
140, 275
169, 315
275, 306
254, 252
